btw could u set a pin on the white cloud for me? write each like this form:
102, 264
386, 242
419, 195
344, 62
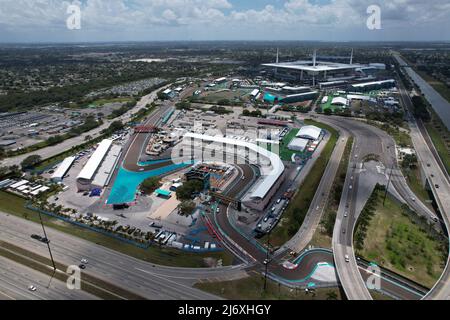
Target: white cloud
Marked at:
219, 16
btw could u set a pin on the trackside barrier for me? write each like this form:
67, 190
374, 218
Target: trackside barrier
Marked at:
115, 236
79, 224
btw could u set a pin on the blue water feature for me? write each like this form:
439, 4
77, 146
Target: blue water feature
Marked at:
127, 182
151, 162
269, 97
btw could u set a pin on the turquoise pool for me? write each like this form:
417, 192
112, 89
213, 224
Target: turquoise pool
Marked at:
269, 97
127, 183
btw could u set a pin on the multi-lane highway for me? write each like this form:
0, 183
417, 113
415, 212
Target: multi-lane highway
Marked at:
16, 279
142, 278
435, 173
51, 151
368, 140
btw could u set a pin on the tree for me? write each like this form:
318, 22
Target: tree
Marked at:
30, 161
186, 208
409, 160
246, 113
150, 185
186, 191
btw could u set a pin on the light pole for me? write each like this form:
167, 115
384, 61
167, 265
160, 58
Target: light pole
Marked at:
389, 182
47, 241
267, 260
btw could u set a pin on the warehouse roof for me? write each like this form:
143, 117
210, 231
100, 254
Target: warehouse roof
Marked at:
63, 168
309, 132
362, 85
94, 162
276, 164
340, 101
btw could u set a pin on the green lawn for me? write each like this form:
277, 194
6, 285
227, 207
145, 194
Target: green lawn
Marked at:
439, 136
101, 102
251, 288
394, 241
415, 183
285, 153
13, 204
440, 87
295, 213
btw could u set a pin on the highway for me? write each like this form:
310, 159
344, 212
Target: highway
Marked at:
16, 278
439, 104
314, 215
368, 140
437, 179
142, 278
52, 151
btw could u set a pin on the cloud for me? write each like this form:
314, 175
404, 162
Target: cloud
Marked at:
224, 18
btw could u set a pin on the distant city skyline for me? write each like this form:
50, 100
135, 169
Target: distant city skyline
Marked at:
205, 20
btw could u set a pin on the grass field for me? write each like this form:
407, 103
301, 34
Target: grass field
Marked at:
441, 139
285, 153
436, 84
396, 242
295, 213
251, 288
415, 183
101, 102
14, 205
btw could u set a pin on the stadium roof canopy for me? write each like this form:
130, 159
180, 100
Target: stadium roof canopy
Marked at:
307, 65
277, 166
309, 132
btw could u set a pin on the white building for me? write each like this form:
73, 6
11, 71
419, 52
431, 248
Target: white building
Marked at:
339, 101
298, 144
309, 132
106, 169
62, 170
86, 176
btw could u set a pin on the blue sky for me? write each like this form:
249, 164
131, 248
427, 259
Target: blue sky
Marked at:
146, 20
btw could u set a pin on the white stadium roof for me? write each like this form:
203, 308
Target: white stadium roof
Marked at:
276, 164
309, 132
306, 65
94, 162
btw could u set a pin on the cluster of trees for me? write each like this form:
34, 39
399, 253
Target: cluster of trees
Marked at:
409, 161
345, 112
150, 185
394, 118
255, 113
189, 189
30, 162
183, 105
366, 216
186, 208
113, 127
220, 110
122, 110
420, 108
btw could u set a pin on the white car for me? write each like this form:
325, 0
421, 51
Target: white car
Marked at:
347, 258
218, 210
32, 288
84, 261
